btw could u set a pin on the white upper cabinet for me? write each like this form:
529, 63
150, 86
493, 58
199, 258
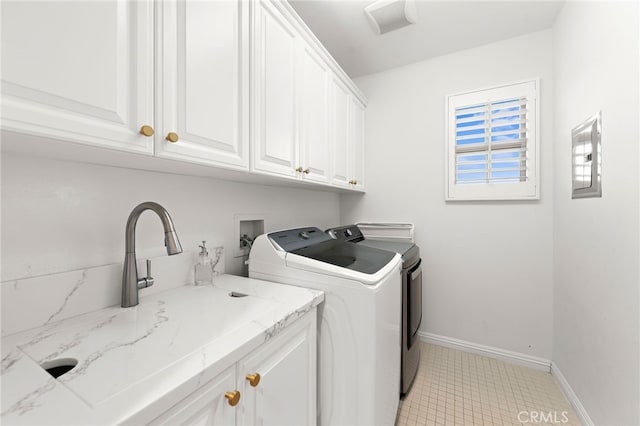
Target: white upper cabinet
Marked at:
340, 133
356, 135
347, 137
313, 77
293, 94
84, 72
274, 127
203, 65
79, 71
241, 85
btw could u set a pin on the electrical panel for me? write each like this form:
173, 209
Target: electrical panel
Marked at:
586, 163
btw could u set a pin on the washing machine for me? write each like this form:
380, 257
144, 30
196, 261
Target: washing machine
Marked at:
411, 293
359, 322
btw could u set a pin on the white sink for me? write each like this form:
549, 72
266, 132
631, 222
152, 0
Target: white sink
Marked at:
119, 347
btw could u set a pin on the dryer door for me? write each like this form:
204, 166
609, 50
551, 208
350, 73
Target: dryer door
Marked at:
414, 302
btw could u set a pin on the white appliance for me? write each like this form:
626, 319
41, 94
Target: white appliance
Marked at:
397, 237
359, 322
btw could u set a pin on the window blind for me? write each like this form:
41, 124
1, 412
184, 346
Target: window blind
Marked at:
491, 142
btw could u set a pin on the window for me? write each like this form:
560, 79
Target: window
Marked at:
492, 147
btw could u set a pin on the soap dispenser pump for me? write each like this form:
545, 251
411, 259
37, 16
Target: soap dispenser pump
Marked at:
204, 267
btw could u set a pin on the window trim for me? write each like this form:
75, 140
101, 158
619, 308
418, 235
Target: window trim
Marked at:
529, 190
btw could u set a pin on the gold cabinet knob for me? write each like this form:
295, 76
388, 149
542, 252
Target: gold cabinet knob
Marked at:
299, 169
172, 137
253, 379
146, 130
306, 171
232, 397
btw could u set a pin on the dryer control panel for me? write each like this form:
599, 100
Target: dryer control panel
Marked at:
348, 233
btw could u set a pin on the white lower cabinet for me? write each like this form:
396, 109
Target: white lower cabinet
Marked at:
286, 393
206, 406
273, 385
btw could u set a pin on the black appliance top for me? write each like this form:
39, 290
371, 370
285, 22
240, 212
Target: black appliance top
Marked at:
314, 244
353, 234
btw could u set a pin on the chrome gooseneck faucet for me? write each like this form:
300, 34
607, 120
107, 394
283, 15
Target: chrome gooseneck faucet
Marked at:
130, 281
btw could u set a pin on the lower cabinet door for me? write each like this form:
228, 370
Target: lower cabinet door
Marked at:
206, 406
286, 391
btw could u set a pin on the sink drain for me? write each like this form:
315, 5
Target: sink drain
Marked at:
58, 367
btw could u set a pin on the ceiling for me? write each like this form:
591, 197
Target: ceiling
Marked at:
443, 26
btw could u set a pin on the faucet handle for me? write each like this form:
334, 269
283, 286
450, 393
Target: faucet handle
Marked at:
148, 280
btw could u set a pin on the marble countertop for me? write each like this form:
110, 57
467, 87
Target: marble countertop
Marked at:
134, 363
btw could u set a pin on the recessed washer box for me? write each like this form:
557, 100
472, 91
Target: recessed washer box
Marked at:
250, 225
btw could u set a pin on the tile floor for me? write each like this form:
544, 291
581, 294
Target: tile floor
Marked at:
458, 388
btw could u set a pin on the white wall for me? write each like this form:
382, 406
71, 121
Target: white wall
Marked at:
59, 216
596, 245
487, 266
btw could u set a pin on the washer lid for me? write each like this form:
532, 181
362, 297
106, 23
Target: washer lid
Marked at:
314, 244
356, 257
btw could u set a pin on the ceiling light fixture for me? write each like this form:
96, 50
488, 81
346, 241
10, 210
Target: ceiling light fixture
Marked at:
389, 15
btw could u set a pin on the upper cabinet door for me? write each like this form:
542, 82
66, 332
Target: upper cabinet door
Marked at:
314, 123
357, 144
274, 92
79, 71
203, 65
340, 133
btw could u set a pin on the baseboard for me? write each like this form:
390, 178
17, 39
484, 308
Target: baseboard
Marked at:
570, 395
489, 351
